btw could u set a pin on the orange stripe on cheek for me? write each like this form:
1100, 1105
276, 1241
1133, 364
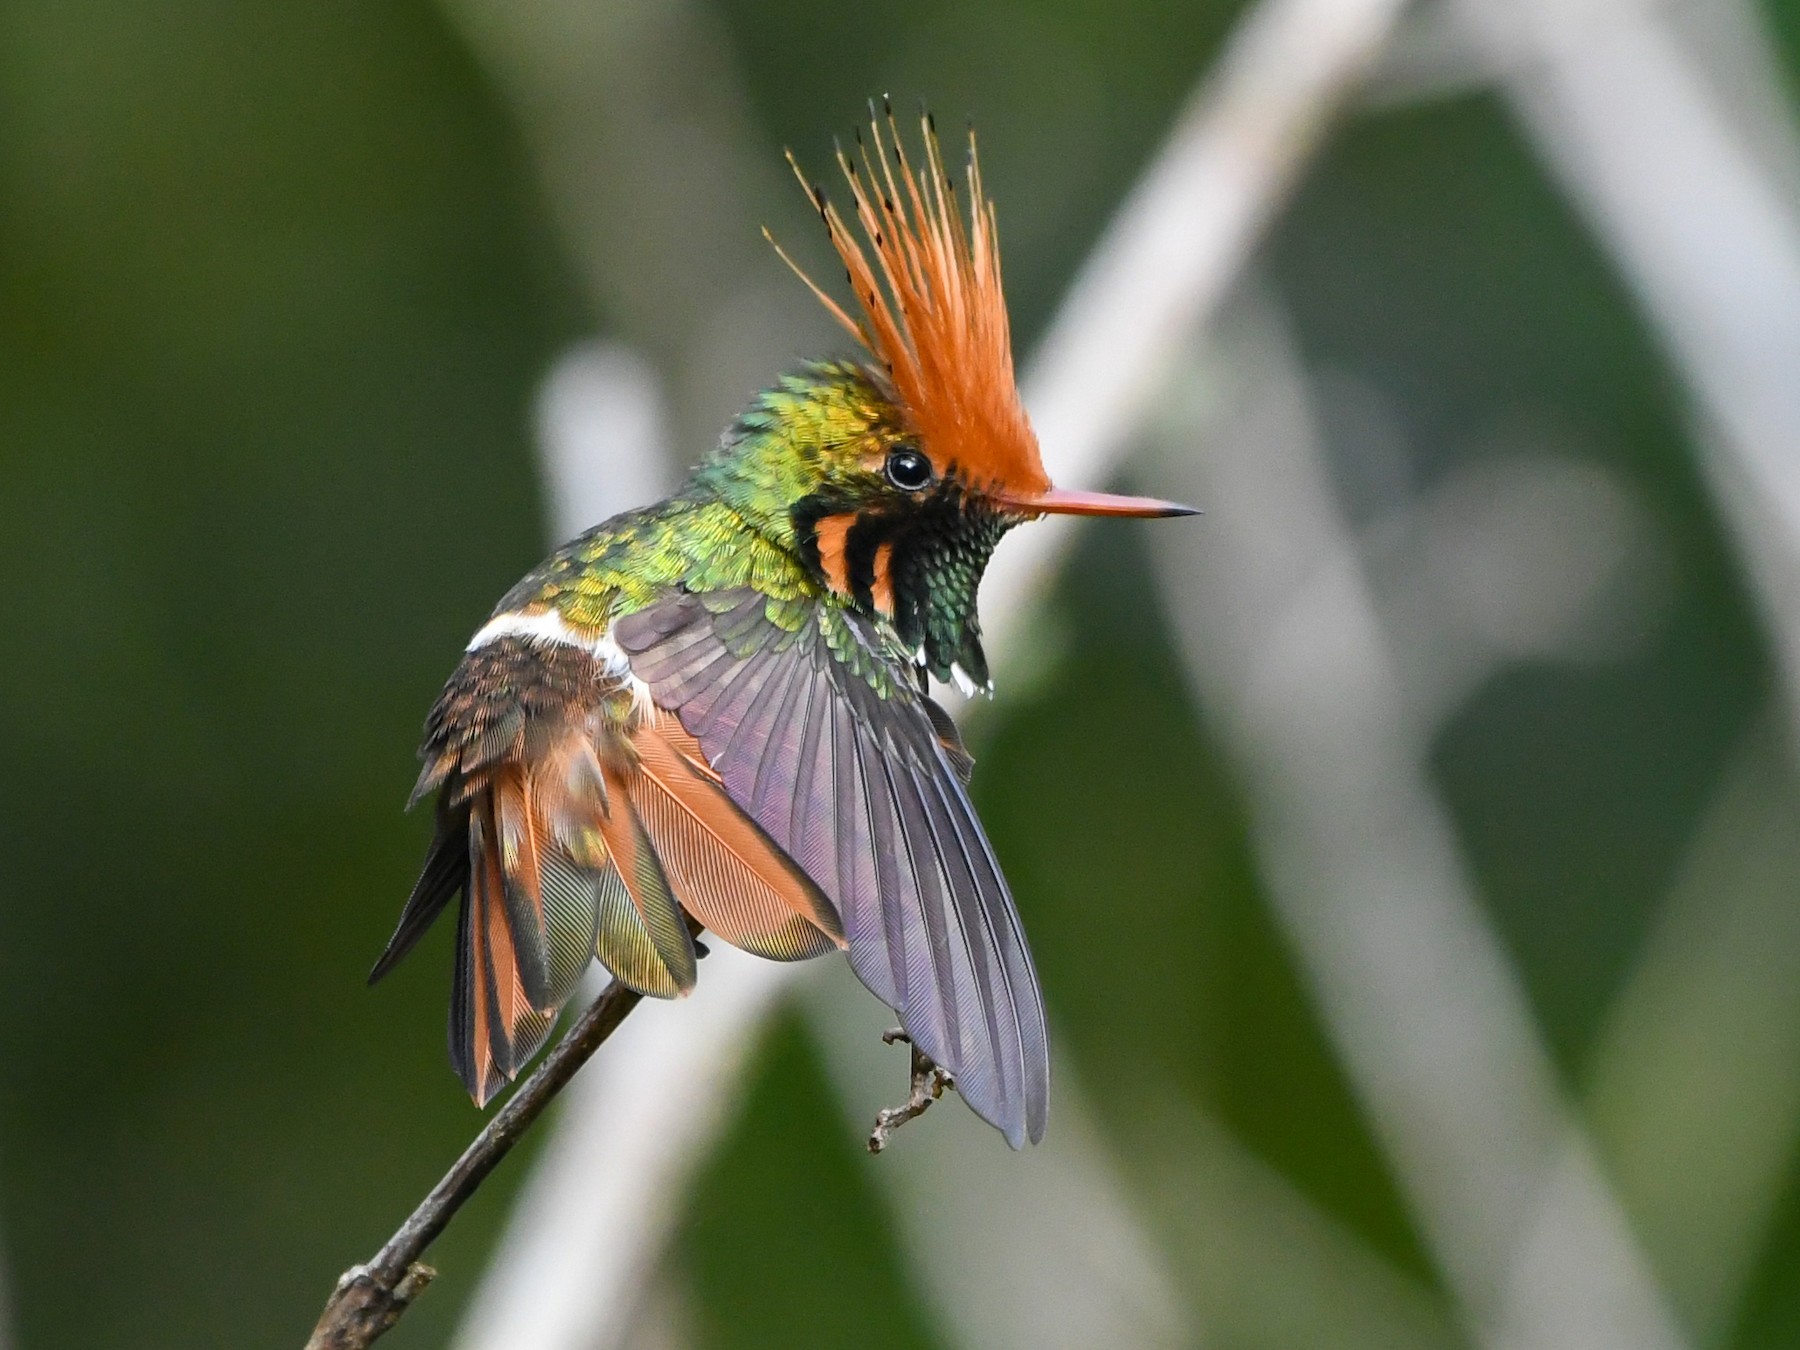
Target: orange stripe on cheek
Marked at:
831, 533
883, 590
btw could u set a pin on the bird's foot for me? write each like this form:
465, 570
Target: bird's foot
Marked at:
929, 1080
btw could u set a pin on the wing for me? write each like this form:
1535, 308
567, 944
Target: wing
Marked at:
818, 737
574, 826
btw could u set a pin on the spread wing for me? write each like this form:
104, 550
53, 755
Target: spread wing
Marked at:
855, 775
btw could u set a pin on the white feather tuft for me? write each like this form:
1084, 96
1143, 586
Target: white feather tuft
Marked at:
549, 626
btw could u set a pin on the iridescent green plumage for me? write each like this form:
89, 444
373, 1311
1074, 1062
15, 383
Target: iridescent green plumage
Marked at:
808, 450
731, 525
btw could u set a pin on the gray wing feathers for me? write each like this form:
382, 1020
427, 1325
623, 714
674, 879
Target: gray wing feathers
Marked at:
865, 793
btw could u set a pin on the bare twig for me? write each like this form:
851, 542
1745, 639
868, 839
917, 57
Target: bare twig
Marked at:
928, 1083
581, 1247
370, 1298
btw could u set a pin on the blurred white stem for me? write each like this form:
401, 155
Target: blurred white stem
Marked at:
602, 441
1683, 197
1669, 128
656, 174
1265, 1267
1695, 1099
1281, 637
1683, 161
1035, 1251
590, 1226
1176, 246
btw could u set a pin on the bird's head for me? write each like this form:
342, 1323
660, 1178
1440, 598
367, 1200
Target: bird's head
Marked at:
894, 477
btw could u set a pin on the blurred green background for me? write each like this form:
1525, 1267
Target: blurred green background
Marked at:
278, 286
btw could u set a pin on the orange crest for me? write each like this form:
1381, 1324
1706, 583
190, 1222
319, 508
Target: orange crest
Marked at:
936, 317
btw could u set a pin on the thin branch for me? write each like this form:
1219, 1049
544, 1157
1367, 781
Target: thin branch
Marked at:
595, 1214
370, 1298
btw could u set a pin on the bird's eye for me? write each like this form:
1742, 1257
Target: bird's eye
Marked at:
907, 469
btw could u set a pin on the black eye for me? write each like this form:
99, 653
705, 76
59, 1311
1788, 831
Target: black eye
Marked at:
907, 469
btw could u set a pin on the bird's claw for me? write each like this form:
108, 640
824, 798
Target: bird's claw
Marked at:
929, 1081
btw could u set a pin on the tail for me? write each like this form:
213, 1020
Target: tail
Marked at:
568, 859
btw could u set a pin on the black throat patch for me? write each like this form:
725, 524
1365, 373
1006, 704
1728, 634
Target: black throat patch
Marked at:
915, 564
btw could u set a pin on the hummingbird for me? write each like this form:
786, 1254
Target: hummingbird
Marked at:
717, 708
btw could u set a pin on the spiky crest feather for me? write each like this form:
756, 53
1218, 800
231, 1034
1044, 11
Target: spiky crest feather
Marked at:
936, 318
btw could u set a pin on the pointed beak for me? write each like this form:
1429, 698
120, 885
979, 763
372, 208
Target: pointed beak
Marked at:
1063, 502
